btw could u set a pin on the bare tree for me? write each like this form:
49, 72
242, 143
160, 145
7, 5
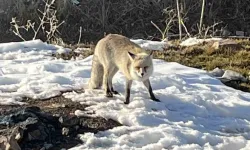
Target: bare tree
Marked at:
170, 19
202, 14
179, 19
48, 24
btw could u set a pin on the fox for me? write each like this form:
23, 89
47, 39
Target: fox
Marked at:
115, 53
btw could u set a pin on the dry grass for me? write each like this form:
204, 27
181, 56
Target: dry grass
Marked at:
202, 57
87, 50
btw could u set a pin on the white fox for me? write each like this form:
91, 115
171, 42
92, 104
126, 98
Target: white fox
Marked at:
116, 52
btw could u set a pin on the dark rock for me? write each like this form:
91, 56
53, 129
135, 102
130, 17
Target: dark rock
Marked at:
20, 116
96, 124
48, 146
30, 127
68, 121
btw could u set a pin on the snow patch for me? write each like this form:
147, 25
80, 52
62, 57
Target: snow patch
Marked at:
151, 45
195, 41
28, 70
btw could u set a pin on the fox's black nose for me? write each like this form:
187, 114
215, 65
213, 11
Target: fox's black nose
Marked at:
142, 74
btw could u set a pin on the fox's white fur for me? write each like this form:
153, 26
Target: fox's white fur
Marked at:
116, 52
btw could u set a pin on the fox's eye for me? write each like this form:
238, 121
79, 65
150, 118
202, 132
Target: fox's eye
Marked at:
137, 68
145, 68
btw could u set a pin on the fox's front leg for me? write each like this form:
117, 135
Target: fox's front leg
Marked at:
127, 91
148, 85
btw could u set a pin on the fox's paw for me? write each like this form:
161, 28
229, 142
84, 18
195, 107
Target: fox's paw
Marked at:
115, 92
109, 94
155, 99
126, 103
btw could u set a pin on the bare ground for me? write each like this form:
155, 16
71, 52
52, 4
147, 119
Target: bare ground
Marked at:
60, 106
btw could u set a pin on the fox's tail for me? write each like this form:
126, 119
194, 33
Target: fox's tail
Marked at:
96, 78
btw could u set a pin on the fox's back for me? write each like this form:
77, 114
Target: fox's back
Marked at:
114, 49
114, 43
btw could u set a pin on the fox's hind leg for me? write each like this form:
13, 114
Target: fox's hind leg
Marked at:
106, 86
109, 73
112, 73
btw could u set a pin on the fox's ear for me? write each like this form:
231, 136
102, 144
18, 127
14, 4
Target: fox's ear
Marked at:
131, 55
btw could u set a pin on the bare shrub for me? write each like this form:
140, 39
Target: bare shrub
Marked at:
48, 25
171, 18
127, 17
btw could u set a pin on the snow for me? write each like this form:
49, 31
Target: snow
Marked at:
28, 70
195, 41
27, 45
151, 45
61, 50
196, 110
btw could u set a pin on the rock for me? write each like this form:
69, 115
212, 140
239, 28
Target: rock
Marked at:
35, 129
72, 131
226, 43
20, 116
3, 142
28, 125
217, 72
230, 75
48, 146
97, 124
10, 142
77, 127
65, 131
69, 121
30, 128
35, 135
15, 136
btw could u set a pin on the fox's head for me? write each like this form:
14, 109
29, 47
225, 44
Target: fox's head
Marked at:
141, 65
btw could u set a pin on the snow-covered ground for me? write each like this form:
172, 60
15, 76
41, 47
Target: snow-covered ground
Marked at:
151, 45
27, 69
195, 41
196, 110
